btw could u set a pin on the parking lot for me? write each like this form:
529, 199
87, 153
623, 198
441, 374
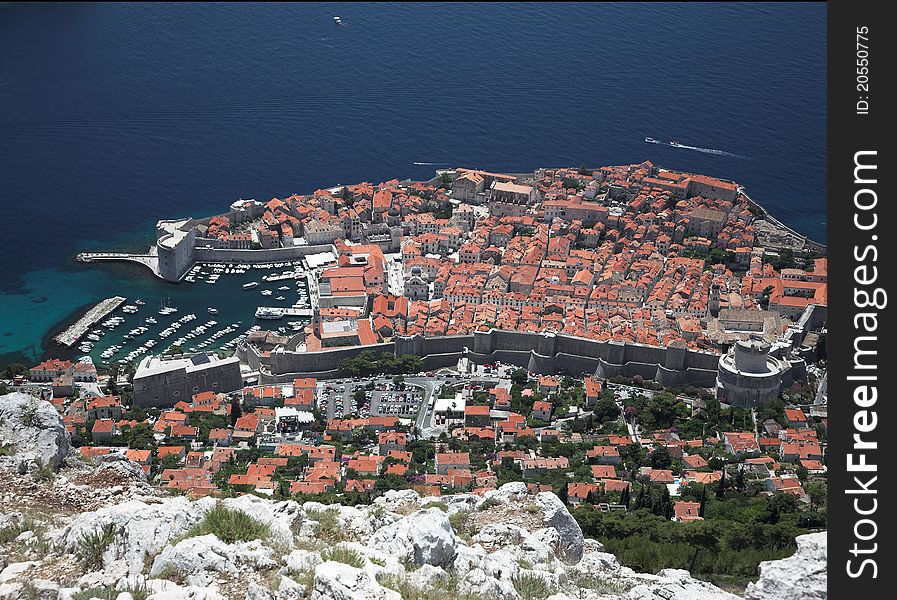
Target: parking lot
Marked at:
381, 399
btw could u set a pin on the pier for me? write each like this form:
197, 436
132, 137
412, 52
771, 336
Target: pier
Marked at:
292, 311
98, 312
149, 260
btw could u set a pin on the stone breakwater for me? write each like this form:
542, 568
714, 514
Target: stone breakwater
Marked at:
101, 531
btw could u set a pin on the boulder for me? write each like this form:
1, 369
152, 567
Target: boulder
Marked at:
281, 517
480, 583
678, 584
34, 432
117, 463
801, 576
338, 581
555, 515
195, 558
422, 538
519, 542
515, 490
142, 529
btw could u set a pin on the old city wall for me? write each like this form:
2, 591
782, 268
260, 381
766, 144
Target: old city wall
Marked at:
541, 353
264, 255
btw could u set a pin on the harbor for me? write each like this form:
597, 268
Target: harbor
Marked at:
73, 333
149, 318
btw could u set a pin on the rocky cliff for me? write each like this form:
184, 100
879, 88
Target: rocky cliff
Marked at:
100, 531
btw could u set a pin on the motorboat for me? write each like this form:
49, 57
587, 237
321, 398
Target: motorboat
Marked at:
212, 310
264, 312
250, 285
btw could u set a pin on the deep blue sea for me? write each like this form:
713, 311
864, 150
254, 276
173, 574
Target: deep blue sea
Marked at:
112, 116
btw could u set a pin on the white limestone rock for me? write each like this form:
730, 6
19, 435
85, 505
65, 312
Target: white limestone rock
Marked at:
117, 463
519, 542
427, 577
556, 516
515, 490
196, 558
802, 576
34, 431
678, 584
142, 529
338, 581
394, 500
423, 537
302, 560
479, 582
281, 517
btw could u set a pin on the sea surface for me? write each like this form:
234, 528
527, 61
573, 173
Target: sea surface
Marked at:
115, 115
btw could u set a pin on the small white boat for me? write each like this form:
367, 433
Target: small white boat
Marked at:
250, 285
212, 310
267, 292
337, 20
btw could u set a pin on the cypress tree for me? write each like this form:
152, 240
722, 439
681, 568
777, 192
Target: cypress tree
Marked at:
703, 501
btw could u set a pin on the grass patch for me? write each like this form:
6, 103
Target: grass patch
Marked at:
597, 583
11, 532
437, 504
91, 546
230, 526
304, 577
489, 503
441, 589
329, 527
344, 555
103, 593
532, 587
377, 561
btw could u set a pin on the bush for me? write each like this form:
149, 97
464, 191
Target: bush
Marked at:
489, 503
460, 522
230, 526
91, 546
437, 504
344, 555
103, 593
531, 586
329, 527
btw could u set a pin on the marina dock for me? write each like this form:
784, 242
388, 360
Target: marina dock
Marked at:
292, 311
98, 312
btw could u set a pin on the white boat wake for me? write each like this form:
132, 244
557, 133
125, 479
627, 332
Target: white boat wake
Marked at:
425, 164
675, 144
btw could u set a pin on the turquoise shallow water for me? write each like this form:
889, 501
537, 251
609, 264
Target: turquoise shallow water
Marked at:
115, 115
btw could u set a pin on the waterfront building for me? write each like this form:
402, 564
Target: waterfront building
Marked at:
163, 381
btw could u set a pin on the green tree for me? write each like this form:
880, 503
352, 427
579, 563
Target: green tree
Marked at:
140, 437
817, 492
660, 458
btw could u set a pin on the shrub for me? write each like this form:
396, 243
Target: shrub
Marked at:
601, 585
103, 593
439, 590
531, 586
28, 416
344, 555
489, 503
460, 522
230, 526
437, 504
91, 546
329, 527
